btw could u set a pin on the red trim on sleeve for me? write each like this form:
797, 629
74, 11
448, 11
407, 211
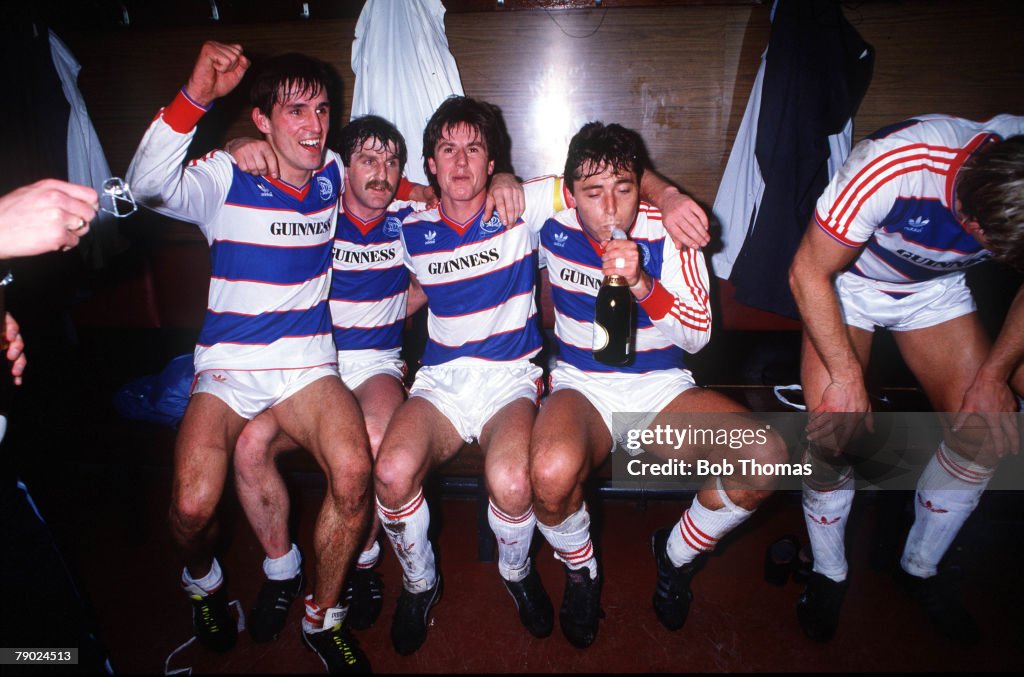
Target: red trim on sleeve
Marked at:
659, 302
831, 233
405, 187
183, 113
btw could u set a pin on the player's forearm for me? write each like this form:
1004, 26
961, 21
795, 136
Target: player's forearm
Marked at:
682, 321
822, 319
156, 174
679, 304
654, 188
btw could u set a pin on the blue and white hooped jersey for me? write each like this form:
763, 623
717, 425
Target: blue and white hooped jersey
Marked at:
370, 283
895, 195
270, 247
674, 319
479, 279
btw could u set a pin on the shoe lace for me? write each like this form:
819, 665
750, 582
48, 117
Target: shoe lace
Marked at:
529, 595
207, 617
345, 645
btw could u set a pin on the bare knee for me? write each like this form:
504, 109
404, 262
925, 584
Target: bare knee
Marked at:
509, 487
350, 478
395, 474
191, 515
252, 457
554, 476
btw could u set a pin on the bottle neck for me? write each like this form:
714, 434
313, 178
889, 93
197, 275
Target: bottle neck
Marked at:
614, 281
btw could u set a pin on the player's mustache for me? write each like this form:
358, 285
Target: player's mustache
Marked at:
379, 184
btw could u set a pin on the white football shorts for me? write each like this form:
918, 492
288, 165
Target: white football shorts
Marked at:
902, 307
249, 393
358, 366
469, 396
636, 398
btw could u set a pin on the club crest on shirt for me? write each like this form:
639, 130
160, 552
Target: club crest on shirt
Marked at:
326, 188
392, 226
492, 225
645, 251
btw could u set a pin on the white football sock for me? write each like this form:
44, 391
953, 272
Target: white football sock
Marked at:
700, 529
285, 567
317, 619
514, 535
406, 527
368, 558
947, 493
571, 541
206, 585
827, 497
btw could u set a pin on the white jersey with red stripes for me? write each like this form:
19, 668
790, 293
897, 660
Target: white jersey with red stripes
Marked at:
270, 247
895, 197
673, 320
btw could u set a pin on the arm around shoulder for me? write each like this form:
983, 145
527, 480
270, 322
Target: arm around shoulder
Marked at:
684, 219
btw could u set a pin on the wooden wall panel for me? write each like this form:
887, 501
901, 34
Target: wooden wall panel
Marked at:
679, 74
961, 58
127, 75
669, 73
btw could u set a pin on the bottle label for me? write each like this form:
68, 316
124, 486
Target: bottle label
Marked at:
600, 337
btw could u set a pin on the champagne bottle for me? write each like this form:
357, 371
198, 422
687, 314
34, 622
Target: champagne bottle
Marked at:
615, 319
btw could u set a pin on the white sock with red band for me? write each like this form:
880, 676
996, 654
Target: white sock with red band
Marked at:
406, 528
318, 619
514, 535
571, 541
700, 529
947, 493
827, 507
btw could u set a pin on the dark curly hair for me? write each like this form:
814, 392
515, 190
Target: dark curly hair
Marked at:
281, 77
360, 130
485, 118
597, 146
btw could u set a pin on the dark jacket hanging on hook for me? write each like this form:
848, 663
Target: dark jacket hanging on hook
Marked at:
817, 70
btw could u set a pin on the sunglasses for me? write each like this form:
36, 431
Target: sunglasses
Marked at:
116, 198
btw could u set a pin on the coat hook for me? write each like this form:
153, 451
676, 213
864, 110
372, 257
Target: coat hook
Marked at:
125, 19
214, 11
304, 14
